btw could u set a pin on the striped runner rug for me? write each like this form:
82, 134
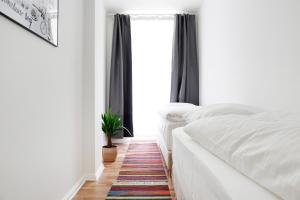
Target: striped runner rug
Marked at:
142, 175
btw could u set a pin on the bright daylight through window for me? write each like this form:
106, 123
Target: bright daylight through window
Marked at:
151, 64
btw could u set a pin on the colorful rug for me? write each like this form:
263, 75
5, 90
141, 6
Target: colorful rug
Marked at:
142, 175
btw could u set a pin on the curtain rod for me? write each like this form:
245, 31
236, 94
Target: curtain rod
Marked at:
154, 14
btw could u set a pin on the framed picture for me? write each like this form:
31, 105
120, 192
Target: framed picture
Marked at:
40, 17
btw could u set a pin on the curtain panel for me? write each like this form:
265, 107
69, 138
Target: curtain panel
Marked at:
120, 92
185, 68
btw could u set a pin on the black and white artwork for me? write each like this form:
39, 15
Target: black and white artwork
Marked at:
38, 16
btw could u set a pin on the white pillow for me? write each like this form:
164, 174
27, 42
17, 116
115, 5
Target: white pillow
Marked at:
176, 111
222, 109
172, 104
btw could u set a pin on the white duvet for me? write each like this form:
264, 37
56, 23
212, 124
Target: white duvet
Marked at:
264, 147
186, 112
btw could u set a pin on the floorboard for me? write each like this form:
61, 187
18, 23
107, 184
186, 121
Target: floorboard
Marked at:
97, 190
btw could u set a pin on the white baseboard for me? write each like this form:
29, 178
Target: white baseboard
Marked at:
94, 177
99, 171
90, 177
73, 191
76, 187
122, 140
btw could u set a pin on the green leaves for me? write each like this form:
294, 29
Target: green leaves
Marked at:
111, 123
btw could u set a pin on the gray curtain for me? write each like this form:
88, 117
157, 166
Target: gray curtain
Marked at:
120, 94
185, 68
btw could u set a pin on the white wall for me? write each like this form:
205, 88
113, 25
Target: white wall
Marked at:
41, 109
250, 52
89, 91
109, 36
94, 87
50, 105
100, 79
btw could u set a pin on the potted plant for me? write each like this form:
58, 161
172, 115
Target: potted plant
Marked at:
111, 124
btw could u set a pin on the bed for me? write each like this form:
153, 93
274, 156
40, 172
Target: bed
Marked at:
176, 115
165, 139
238, 157
198, 174
171, 116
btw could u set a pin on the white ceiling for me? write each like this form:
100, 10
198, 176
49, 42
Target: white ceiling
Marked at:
152, 6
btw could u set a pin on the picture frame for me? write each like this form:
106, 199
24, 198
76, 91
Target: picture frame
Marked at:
39, 17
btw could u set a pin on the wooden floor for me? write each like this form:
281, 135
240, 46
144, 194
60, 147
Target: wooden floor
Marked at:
97, 190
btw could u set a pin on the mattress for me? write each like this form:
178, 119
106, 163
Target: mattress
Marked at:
167, 155
264, 148
165, 139
198, 174
165, 130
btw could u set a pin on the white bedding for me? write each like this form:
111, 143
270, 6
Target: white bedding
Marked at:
186, 112
199, 175
165, 128
174, 115
221, 109
265, 147
165, 138
176, 112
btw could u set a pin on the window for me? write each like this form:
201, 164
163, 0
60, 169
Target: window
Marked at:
151, 70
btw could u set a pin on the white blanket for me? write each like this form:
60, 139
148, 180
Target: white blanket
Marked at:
186, 112
265, 147
222, 109
199, 175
